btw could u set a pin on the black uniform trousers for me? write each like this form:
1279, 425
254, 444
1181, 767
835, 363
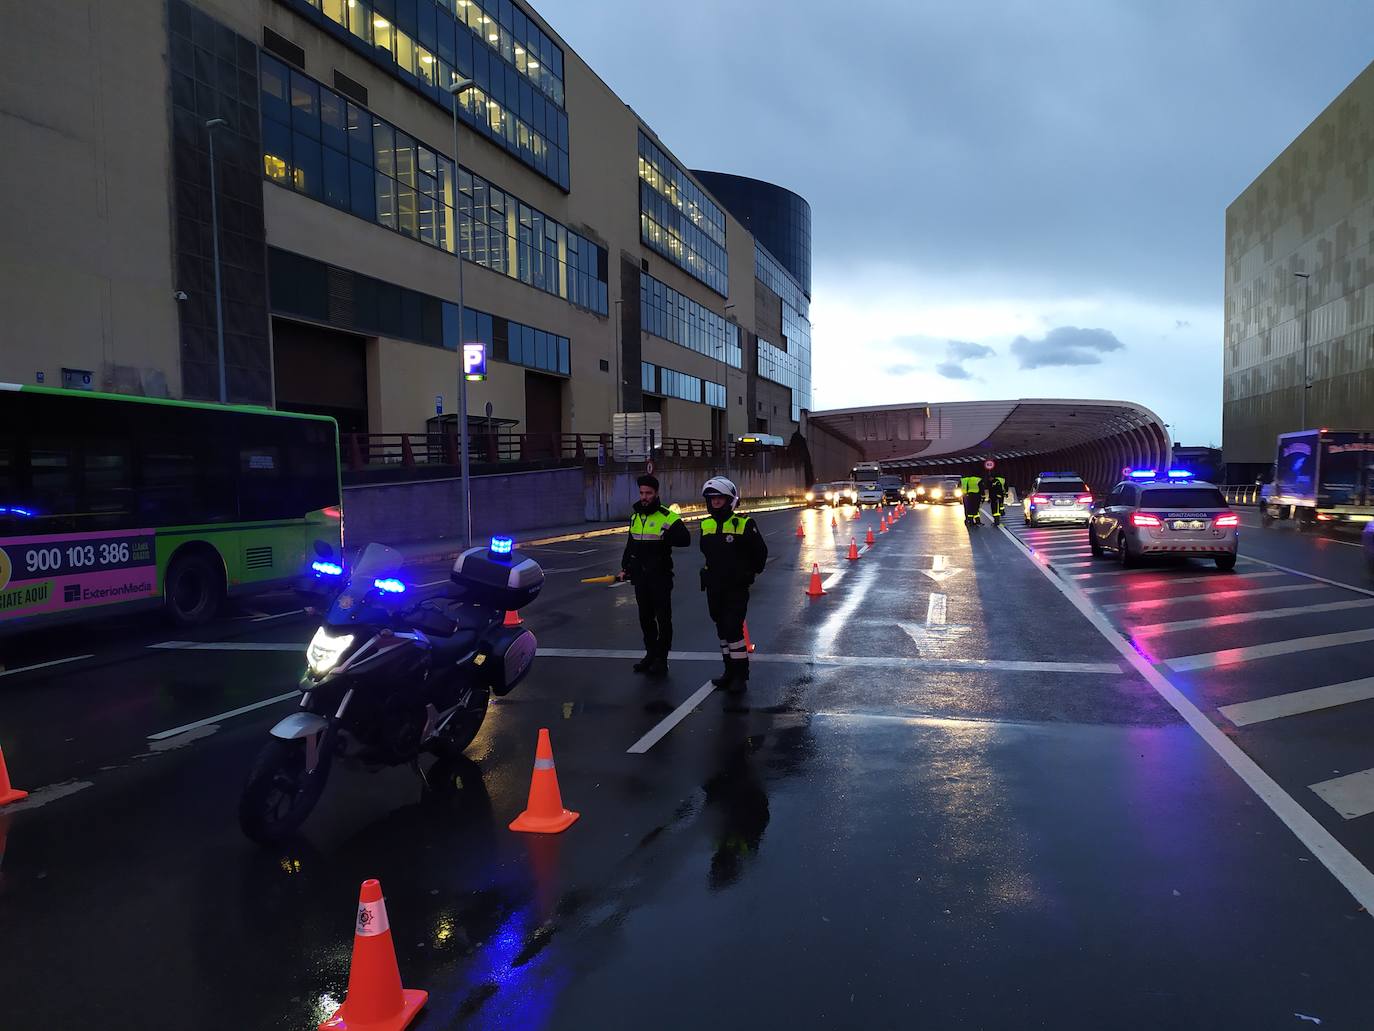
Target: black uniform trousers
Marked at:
654, 595
972, 503
728, 606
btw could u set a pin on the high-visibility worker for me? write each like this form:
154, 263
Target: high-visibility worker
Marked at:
997, 497
972, 486
655, 530
735, 553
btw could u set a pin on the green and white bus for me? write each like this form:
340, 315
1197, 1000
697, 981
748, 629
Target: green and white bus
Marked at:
110, 502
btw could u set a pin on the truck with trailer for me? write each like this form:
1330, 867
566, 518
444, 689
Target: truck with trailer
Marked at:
1322, 478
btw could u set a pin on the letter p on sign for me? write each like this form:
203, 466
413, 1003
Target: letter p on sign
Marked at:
475, 361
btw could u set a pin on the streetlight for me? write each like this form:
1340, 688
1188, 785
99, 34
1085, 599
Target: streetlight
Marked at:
725, 382
210, 127
1306, 377
456, 88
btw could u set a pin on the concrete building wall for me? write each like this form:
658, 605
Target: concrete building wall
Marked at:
1311, 211
85, 230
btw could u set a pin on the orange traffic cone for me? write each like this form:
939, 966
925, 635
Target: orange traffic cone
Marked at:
8, 793
544, 813
869, 538
833, 523
882, 526
853, 550
748, 644
375, 1000
512, 619
801, 532
814, 589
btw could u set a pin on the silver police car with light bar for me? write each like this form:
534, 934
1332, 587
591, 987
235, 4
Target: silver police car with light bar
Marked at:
1172, 514
1058, 498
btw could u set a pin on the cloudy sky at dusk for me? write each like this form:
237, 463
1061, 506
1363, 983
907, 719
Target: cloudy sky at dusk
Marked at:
1013, 198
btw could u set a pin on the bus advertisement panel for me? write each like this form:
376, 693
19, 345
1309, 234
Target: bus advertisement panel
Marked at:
59, 572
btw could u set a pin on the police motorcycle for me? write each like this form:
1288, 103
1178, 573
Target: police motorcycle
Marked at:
390, 676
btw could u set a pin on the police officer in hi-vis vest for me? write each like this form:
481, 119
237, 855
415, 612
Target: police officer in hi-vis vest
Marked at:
647, 563
735, 553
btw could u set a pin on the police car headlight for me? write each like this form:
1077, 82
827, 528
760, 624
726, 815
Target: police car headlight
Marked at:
810, 496
325, 650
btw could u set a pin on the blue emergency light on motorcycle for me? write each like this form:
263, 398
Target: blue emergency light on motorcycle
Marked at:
327, 568
389, 585
1142, 474
502, 545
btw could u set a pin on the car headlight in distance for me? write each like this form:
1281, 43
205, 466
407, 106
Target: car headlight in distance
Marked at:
810, 496
958, 492
325, 650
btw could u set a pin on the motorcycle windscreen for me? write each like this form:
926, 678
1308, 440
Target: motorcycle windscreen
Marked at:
361, 600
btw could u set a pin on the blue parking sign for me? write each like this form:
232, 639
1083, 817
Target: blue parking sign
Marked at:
475, 361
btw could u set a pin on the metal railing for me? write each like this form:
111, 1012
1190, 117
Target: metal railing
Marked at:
1241, 494
380, 450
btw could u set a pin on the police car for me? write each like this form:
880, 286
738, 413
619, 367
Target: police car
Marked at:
1174, 514
1058, 498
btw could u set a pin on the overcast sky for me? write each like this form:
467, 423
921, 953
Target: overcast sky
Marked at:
1010, 198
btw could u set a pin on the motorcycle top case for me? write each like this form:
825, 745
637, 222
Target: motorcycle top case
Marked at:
511, 654
488, 580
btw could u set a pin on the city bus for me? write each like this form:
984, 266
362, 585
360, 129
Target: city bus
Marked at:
111, 502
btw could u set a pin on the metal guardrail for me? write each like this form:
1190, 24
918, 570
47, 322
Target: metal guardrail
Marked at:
379, 450
1241, 494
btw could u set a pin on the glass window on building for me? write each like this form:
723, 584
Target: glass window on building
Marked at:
673, 316
679, 220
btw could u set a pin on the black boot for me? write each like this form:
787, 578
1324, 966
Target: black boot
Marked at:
646, 664
659, 667
739, 676
723, 682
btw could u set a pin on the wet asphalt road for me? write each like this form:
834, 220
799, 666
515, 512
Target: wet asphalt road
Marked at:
967, 813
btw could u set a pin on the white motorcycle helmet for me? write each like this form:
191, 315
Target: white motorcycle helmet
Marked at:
719, 485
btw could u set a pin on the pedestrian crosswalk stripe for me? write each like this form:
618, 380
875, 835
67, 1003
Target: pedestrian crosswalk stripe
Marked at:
1150, 603
1352, 795
1234, 618
1295, 703
1232, 656
1169, 581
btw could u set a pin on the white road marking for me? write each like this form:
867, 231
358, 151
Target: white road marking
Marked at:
1137, 571
1170, 581
936, 609
1295, 703
1314, 576
832, 580
1150, 603
39, 797
671, 720
1074, 565
1234, 618
1348, 870
230, 646
938, 562
43, 665
1233, 656
870, 661
1352, 795
280, 615
162, 735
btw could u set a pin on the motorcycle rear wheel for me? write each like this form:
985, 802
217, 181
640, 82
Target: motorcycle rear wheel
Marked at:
279, 793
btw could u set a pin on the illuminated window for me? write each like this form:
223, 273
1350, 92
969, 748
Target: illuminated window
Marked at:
383, 34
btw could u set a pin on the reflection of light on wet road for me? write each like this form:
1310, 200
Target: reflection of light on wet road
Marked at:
854, 597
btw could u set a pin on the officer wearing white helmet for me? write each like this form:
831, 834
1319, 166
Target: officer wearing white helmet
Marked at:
735, 553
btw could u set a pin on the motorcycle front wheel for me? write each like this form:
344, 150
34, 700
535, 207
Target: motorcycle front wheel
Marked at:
280, 793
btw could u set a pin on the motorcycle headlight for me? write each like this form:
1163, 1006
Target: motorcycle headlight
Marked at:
325, 650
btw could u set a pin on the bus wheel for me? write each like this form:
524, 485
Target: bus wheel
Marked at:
193, 590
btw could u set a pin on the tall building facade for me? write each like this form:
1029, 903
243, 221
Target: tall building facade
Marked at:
319, 136
1300, 264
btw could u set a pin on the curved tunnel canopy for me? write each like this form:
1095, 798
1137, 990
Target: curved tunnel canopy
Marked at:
1096, 439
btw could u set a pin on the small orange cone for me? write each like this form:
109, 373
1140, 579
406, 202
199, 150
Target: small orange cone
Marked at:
882, 526
814, 589
544, 813
748, 644
853, 550
375, 1000
8, 793
801, 532
869, 538
833, 523
512, 619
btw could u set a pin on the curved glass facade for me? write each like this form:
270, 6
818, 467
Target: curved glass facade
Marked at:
778, 218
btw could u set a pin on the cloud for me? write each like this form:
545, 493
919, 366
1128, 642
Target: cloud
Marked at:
962, 350
1182, 324
1065, 345
901, 369
953, 370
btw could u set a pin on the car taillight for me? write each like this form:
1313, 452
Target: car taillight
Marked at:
1039, 499
1141, 519
1085, 499
1228, 520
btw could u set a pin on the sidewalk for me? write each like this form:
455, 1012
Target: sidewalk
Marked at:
447, 549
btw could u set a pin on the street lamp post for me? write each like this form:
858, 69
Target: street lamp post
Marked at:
456, 89
725, 381
210, 127
1306, 376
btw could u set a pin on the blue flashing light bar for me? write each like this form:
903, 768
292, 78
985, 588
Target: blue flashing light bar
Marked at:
502, 545
1142, 474
327, 568
1180, 474
389, 585
16, 510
